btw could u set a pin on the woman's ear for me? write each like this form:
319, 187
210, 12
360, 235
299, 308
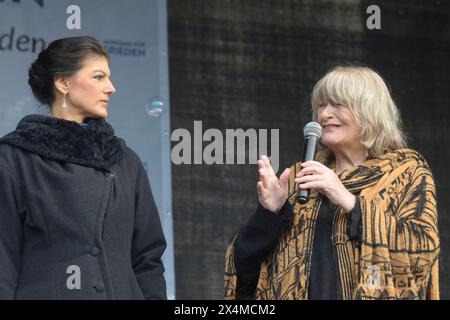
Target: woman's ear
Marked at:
62, 84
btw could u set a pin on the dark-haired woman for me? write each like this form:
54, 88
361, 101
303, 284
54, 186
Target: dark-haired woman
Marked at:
77, 216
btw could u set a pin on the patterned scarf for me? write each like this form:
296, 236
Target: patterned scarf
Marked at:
396, 255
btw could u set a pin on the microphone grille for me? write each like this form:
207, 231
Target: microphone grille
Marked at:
312, 128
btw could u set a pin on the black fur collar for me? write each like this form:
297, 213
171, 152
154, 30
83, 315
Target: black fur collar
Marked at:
67, 141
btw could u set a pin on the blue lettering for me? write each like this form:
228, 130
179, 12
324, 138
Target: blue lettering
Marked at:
39, 2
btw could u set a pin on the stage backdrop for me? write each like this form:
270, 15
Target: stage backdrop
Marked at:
253, 63
135, 33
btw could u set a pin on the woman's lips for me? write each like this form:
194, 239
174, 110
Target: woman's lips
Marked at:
330, 127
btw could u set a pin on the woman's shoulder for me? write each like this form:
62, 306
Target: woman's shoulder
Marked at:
406, 157
131, 154
131, 158
8, 152
401, 166
9, 156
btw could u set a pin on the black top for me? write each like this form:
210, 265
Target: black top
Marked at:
323, 274
256, 239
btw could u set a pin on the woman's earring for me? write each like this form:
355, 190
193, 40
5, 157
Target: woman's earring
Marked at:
64, 104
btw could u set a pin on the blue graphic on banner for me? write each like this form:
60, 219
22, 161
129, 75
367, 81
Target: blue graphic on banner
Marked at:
12, 41
39, 2
124, 48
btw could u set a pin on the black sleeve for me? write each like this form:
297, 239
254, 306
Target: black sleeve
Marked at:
10, 236
354, 221
149, 242
254, 242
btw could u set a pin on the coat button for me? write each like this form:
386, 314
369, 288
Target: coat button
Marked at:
109, 173
99, 287
95, 251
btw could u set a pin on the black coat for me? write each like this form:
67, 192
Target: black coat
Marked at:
77, 216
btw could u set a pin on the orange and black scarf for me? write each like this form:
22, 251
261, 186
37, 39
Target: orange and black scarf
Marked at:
396, 255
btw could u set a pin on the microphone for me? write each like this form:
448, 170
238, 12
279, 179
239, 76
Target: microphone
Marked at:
312, 132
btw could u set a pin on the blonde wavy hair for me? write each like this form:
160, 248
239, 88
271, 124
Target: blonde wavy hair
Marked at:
364, 92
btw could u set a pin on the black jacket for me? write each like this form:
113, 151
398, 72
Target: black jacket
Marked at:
77, 216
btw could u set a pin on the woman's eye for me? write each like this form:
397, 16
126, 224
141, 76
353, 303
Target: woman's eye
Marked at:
99, 77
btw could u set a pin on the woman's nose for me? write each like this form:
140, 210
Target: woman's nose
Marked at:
326, 111
110, 88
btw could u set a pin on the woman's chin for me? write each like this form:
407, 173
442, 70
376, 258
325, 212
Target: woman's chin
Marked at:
101, 113
330, 144
97, 115
326, 142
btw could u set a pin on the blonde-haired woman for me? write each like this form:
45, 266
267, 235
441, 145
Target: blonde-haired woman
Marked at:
369, 229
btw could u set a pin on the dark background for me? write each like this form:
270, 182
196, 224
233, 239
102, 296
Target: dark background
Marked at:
253, 63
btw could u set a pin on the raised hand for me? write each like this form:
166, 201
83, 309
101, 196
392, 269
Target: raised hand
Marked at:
272, 192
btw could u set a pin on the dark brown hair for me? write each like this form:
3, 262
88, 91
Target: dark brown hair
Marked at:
62, 57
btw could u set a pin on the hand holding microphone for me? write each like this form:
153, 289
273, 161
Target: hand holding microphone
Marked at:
315, 175
312, 132
273, 191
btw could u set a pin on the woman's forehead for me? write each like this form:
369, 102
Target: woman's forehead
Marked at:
328, 97
95, 62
